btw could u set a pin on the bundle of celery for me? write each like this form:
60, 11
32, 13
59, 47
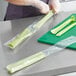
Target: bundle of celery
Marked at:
28, 31
66, 29
59, 46
61, 29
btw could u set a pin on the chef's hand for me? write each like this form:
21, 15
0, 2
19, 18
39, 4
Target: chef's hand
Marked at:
55, 5
43, 7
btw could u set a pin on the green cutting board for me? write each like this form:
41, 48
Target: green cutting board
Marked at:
50, 38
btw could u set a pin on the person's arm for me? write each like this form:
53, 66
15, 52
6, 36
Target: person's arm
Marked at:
43, 7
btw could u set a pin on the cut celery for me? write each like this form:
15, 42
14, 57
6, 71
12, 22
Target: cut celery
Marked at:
66, 29
25, 62
59, 46
57, 29
19, 38
42, 21
28, 31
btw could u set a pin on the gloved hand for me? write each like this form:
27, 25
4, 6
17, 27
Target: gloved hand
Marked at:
55, 5
43, 7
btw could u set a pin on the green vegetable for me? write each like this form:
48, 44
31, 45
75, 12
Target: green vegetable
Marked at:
44, 19
19, 38
66, 29
25, 62
28, 31
57, 29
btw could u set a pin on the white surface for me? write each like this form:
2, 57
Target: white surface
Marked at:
68, 6
70, 74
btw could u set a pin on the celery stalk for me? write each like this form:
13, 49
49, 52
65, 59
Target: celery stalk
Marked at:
59, 46
42, 21
19, 38
29, 31
25, 62
57, 29
66, 29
